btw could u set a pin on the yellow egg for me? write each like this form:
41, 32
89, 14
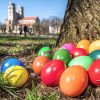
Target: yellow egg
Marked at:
94, 46
16, 76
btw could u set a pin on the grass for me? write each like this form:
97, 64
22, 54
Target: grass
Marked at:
19, 45
13, 45
34, 95
4, 86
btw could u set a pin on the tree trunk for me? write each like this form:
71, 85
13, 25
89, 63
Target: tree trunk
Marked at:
81, 20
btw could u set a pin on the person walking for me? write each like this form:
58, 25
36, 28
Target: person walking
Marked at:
25, 30
20, 30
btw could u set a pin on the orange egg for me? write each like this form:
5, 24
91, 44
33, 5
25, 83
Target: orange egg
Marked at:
84, 44
38, 63
73, 81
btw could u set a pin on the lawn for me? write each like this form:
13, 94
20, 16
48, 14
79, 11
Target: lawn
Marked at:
18, 45
26, 48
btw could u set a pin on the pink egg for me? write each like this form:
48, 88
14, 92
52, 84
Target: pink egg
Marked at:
68, 46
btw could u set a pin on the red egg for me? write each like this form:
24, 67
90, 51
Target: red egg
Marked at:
94, 72
79, 52
51, 72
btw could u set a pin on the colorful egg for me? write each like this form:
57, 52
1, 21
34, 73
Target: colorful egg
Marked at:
63, 55
94, 72
95, 45
68, 46
84, 44
73, 81
79, 52
84, 61
17, 76
39, 63
45, 51
10, 62
51, 72
95, 54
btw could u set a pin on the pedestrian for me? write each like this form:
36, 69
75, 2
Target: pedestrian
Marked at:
4, 30
20, 30
25, 30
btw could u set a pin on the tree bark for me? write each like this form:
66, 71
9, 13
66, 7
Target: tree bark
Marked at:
81, 20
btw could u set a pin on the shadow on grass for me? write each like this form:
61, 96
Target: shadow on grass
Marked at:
14, 38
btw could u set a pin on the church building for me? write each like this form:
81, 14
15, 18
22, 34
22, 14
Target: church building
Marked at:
16, 18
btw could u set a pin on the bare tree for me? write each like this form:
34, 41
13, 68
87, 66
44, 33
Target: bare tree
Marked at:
3, 28
55, 22
45, 26
36, 28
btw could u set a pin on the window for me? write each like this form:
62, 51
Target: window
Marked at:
10, 7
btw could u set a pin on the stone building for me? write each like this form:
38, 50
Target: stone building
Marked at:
54, 29
16, 18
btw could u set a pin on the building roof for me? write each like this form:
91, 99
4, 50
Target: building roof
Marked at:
24, 24
29, 18
26, 18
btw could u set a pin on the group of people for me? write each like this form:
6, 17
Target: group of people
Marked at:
3, 29
21, 29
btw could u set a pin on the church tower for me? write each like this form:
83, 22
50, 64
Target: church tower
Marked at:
12, 19
20, 11
11, 11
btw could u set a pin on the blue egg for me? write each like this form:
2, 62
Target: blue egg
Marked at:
10, 62
95, 54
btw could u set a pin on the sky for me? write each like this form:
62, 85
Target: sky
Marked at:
40, 8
